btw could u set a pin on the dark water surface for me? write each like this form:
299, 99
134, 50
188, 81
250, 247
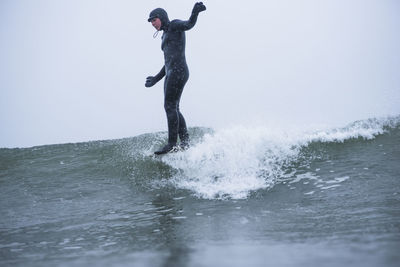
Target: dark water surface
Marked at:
308, 201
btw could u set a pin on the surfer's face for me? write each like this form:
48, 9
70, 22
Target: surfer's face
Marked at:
156, 22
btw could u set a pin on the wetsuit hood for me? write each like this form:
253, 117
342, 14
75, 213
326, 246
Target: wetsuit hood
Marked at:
162, 15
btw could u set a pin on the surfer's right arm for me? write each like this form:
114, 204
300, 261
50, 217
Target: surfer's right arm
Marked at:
152, 80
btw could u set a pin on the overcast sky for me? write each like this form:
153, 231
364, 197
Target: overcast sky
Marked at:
74, 70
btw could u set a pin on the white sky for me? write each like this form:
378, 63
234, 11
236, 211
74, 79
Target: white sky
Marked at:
74, 70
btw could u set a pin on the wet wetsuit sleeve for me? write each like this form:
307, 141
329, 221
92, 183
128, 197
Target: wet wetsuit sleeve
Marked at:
179, 25
160, 75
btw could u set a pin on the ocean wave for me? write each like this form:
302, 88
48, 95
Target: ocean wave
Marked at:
232, 163
226, 163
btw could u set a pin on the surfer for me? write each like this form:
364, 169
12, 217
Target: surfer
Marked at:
175, 70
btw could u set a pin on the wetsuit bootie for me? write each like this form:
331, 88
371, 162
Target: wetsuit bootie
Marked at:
166, 149
184, 145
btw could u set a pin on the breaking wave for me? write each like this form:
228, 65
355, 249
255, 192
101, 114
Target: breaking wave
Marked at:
232, 163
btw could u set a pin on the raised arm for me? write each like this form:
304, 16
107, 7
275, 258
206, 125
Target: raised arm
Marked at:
179, 25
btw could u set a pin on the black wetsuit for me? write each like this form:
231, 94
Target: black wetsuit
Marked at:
176, 73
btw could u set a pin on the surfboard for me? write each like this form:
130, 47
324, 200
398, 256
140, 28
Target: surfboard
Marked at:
176, 149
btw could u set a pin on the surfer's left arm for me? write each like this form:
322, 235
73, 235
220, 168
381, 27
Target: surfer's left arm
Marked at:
179, 25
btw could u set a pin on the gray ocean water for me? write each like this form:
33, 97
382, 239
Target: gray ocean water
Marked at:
238, 197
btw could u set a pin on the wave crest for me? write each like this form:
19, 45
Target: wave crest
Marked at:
232, 163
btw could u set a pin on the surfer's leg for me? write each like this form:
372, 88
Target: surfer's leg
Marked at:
171, 98
173, 87
171, 101
173, 121
176, 122
182, 131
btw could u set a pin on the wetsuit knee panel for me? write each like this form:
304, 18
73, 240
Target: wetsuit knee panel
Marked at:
170, 106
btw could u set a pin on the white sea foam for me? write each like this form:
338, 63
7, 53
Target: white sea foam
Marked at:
338, 180
236, 161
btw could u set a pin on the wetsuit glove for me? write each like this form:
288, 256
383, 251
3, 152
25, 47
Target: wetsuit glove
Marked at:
198, 7
150, 81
